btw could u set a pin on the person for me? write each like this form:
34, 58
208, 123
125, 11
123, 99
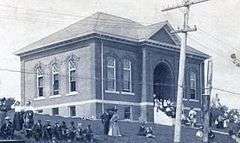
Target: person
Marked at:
105, 118
57, 131
192, 117
37, 131
28, 116
64, 130
18, 116
220, 122
149, 132
79, 133
154, 97
165, 104
47, 132
7, 129
184, 118
142, 129
72, 131
114, 128
211, 136
168, 111
226, 123
157, 104
3, 110
89, 134
199, 133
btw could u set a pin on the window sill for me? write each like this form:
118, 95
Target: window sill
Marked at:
193, 100
128, 93
127, 119
55, 96
39, 98
112, 91
72, 93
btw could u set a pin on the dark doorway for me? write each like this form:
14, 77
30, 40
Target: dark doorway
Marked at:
163, 85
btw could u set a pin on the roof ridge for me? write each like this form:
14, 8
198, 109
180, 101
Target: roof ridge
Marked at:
123, 18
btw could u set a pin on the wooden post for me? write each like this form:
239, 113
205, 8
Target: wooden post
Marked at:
184, 30
206, 101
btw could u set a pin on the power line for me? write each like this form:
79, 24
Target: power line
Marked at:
84, 78
133, 82
227, 91
214, 36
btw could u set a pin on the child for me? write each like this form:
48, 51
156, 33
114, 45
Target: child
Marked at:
142, 129
149, 132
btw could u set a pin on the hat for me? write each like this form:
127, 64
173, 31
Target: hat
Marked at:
7, 118
115, 108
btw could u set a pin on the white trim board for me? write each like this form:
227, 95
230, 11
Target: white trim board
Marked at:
101, 101
95, 101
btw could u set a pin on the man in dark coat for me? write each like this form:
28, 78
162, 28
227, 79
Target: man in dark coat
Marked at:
64, 130
7, 129
28, 119
18, 121
105, 117
3, 110
57, 131
79, 133
89, 134
38, 131
72, 130
47, 132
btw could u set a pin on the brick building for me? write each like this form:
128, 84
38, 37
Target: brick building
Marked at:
105, 61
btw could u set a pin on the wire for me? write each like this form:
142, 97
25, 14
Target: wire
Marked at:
227, 91
84, 78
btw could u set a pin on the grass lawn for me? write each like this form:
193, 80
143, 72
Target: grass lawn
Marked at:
164, 134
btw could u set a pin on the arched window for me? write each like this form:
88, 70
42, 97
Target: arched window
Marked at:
39, 82
72, 76
55, 79
193, 85
127, 75
111, 74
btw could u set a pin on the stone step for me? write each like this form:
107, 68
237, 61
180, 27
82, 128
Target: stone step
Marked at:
161, 118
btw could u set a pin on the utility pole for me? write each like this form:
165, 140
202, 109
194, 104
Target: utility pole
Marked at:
186, 4
206, 101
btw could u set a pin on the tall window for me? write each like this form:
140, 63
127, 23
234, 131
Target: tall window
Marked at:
127, 76
72, 76
55, 79
111, 74
193, 86
39, 82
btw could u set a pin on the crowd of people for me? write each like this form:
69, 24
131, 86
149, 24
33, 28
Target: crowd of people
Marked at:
23, 124
225, 119
169, 108
165, 105
47, 132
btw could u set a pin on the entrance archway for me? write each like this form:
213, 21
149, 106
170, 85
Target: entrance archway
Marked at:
163, 86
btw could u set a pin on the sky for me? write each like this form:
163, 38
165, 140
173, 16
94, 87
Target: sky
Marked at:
25, 21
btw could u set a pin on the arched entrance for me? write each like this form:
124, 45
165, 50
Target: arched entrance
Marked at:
163, 85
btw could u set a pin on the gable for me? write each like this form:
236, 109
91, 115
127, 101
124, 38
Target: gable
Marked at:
163, 36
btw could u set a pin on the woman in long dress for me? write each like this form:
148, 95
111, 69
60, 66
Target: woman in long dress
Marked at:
114, 127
